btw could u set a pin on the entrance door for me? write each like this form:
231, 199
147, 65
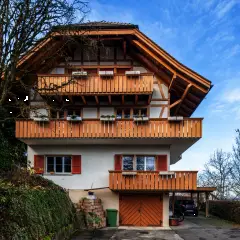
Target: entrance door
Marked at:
140, 210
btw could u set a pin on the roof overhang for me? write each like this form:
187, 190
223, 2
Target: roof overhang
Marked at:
187, 88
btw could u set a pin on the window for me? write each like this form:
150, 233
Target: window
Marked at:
124, 113
145, 163
59, 164
127, 162
139, 163
140, 112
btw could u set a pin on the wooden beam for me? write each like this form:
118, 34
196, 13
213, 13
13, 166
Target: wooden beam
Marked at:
97, 101
84, 100
124, 49
167, 66
183, 97
149, 99
207, 204
175, 103
173, 202
71, 99
151, 67
123, 99
171, 83
136, 99
109, 99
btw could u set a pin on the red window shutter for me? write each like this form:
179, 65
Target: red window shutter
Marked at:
161, 163
118, 162
39, 164
76, 164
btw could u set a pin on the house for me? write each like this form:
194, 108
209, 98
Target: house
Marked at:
111, 111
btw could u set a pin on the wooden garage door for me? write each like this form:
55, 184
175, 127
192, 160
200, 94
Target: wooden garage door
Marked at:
140, 210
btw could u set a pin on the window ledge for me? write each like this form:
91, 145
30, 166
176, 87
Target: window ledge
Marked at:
129, 173
58, 174
166, 173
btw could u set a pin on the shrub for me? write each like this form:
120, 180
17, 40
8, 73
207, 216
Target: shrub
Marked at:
35, 209
228, 210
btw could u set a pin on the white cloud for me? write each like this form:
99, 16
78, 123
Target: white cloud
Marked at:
232, 96
224, 7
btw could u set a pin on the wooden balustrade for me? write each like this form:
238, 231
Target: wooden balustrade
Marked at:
94, 84
151, 180
158, 128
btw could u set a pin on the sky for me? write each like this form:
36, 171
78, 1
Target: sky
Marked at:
205, 36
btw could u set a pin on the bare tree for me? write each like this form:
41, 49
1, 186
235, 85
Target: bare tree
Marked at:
22, 24
217, 173
236, 166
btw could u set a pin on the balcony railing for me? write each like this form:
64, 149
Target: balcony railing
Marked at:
94, 84
153, 180
154, 128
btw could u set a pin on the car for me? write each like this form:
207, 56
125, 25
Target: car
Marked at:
188, 207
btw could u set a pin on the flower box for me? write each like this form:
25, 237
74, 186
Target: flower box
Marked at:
79, 74
74, 118
132, 73
129, 173
107, 118
140, 119
41, 119
105, 73
175, 118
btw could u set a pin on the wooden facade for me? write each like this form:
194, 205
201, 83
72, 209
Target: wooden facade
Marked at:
154, 128
94, 84
153, 181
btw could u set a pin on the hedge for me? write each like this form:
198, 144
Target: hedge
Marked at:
228, 210
36, 210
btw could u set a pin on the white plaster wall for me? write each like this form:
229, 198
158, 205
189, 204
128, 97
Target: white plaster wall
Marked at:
155, 112
90, 113
141, 69
156, 92
165, 209
165, 90
106, 111
165, 113
97, 160
57, 71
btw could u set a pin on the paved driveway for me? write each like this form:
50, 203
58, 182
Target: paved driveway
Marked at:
192, 228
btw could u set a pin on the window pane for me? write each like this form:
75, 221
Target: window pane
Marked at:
50, 168
67, 165
127, 163
67, 168
58, 164
67, 160
127, 113
150, 163
140, 163
50, 160
119, 114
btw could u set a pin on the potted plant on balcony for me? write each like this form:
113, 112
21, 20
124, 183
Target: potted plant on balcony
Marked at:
140, 118
108, 118
41, 118
74, 118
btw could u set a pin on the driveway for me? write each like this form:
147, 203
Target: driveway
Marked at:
199, 228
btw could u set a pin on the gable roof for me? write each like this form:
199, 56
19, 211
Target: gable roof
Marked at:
97, 25
187, 87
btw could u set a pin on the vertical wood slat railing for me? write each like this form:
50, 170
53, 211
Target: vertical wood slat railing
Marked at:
94, 84
151, 180
160, 128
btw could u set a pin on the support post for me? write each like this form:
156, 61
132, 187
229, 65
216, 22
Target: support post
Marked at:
173, 202
198, 201
207, 204
191, 195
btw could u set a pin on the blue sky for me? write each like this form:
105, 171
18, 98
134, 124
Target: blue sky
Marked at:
205, 36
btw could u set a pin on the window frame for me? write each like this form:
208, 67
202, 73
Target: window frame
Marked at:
135, 162
54, 164
122, 109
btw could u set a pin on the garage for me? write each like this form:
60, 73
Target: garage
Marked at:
140, 210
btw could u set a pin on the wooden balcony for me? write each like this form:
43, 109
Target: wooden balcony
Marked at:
154, 129
152, 181
95, 85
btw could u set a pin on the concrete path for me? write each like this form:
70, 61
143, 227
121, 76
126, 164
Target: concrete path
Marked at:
193, 228
201, 228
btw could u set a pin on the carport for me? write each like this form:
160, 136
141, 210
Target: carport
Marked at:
200, 190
